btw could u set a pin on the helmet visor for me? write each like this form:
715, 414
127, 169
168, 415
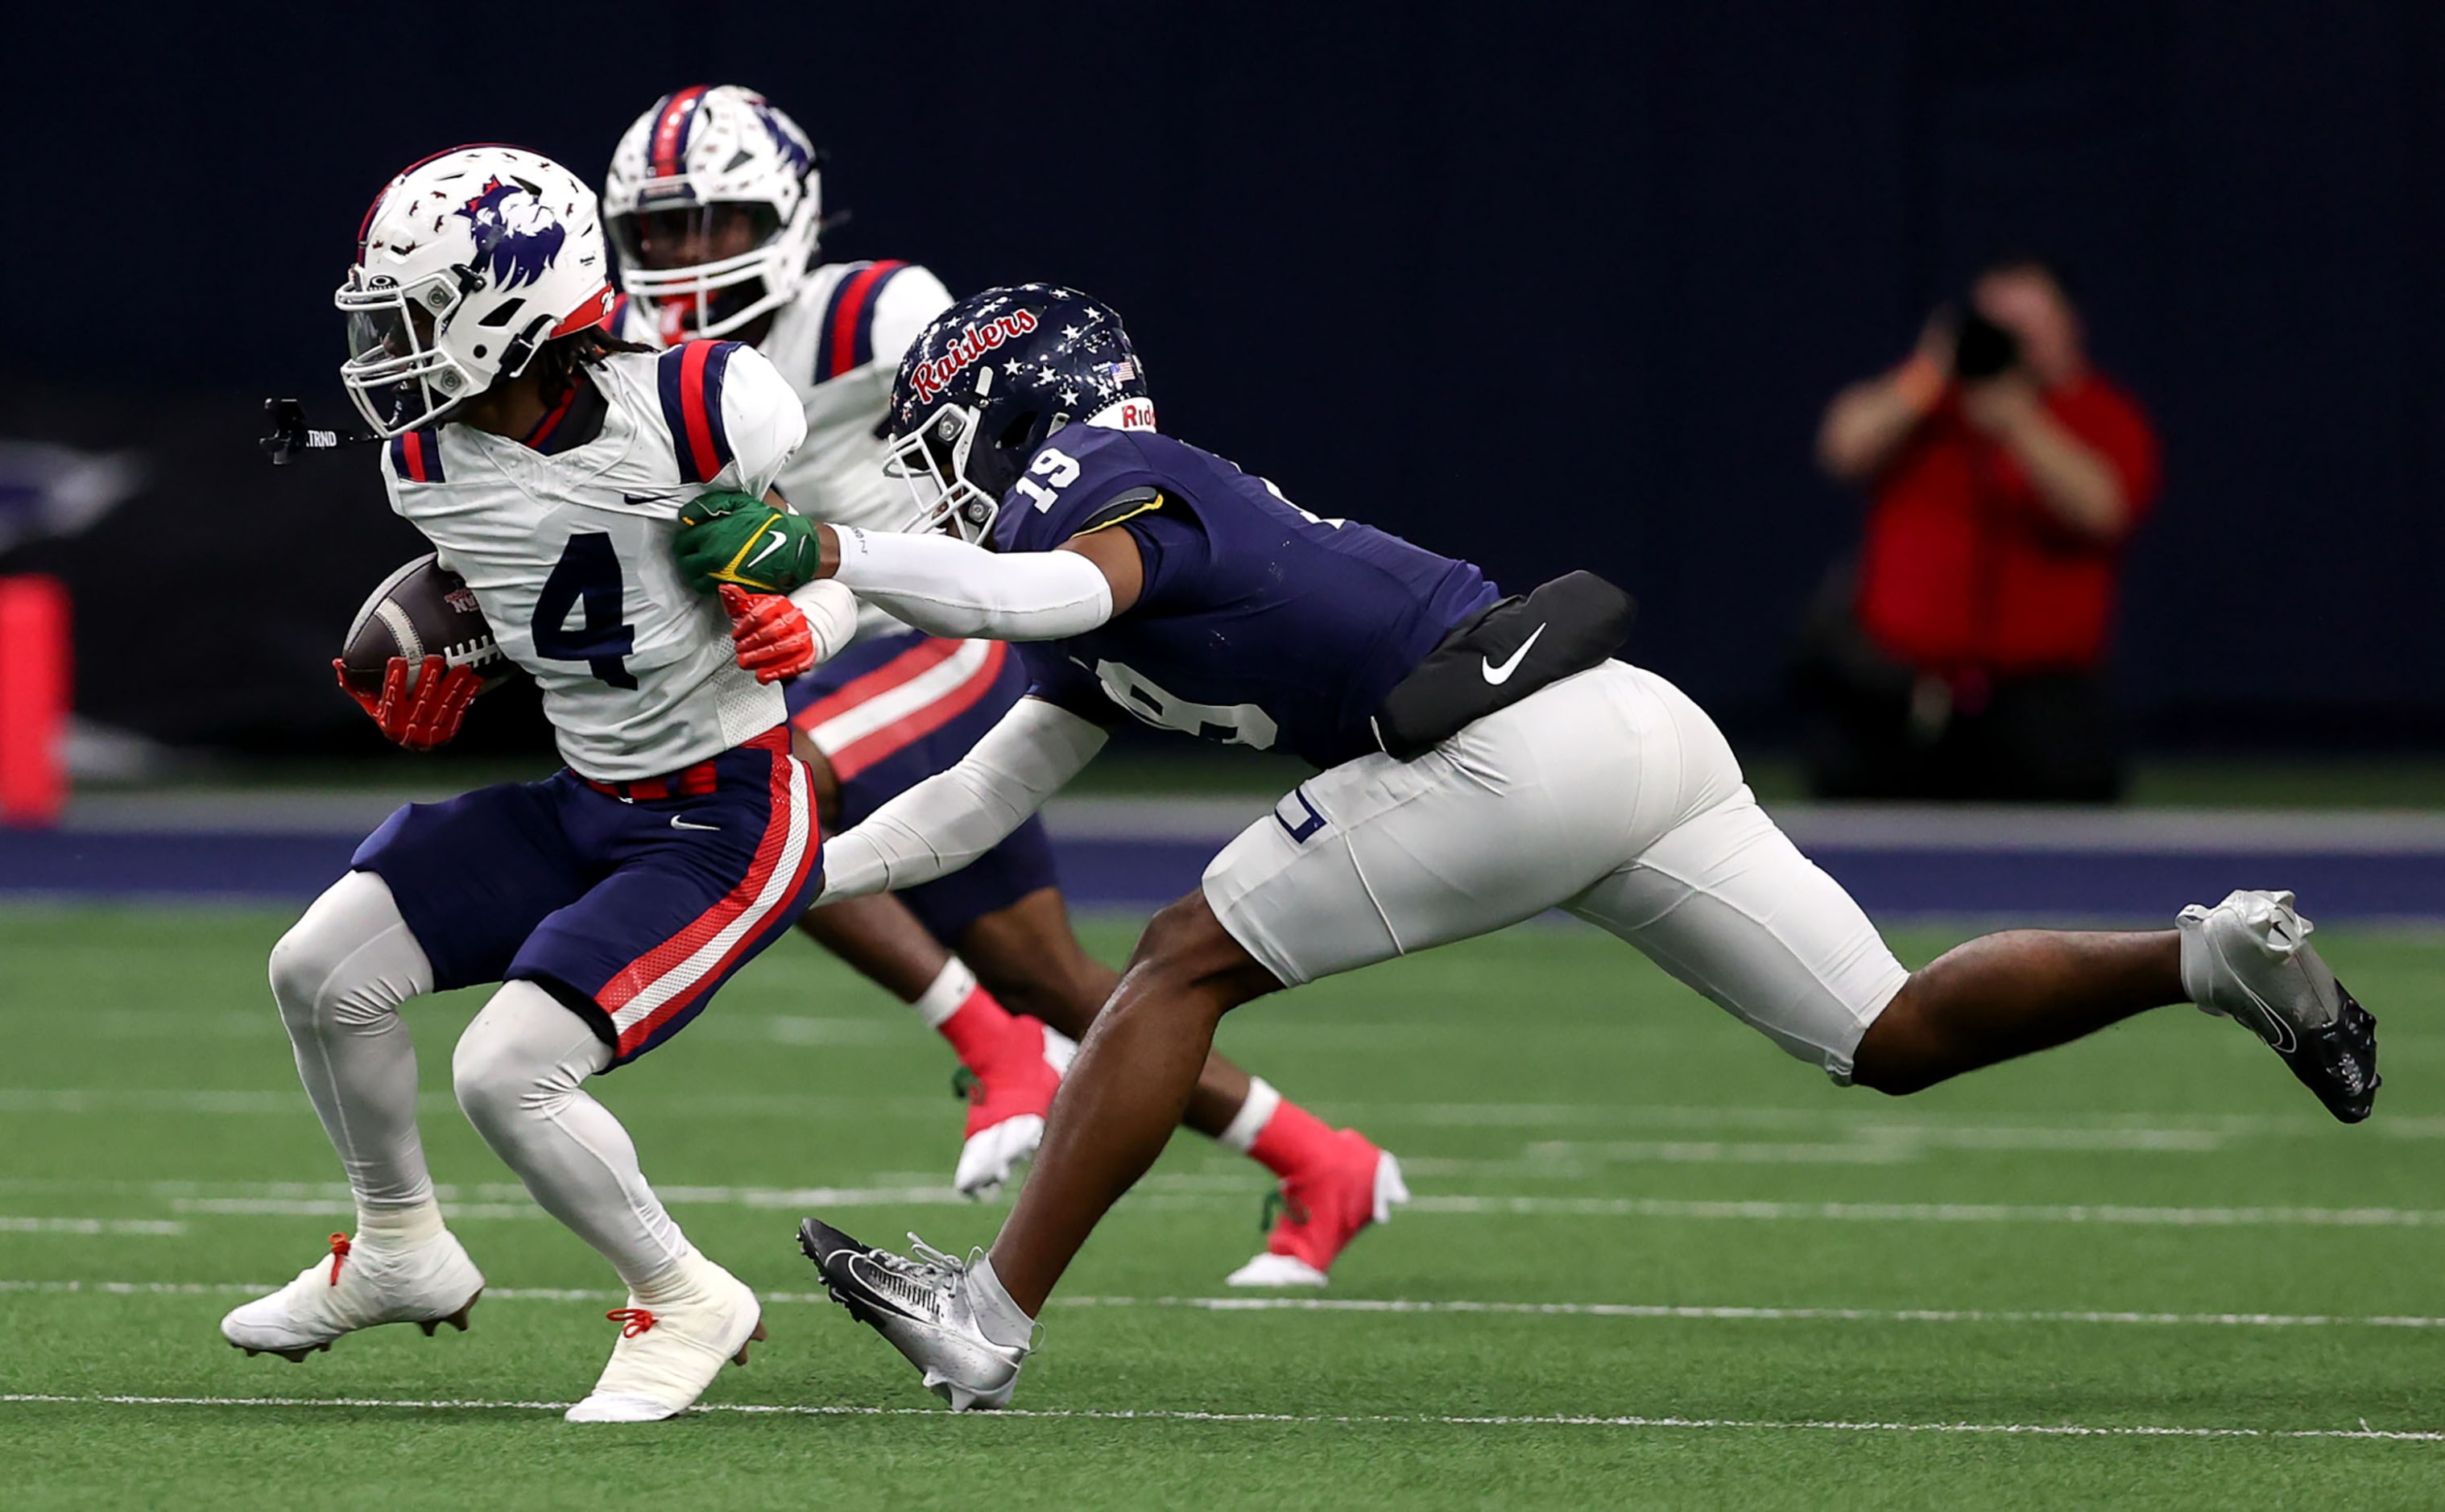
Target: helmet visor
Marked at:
395, 374
699, 270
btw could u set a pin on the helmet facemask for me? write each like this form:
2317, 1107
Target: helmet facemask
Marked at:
717, 295
397, 377
933, 461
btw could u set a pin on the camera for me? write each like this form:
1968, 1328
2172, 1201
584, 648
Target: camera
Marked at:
1982, 348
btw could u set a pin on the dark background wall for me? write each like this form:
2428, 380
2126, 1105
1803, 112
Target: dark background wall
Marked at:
1540, 283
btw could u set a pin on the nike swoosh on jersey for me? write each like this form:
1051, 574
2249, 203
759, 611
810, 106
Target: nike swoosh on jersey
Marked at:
1498, 674
678, 823
647, 498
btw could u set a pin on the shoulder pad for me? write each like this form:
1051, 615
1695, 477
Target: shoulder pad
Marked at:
415, 457
845, 338
690, 377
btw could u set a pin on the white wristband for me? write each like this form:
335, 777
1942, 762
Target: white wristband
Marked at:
830, 609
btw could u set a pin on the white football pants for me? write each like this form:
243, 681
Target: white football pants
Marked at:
339, 976
1609, 794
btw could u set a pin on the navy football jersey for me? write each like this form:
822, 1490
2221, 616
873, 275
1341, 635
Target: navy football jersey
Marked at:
1259, 624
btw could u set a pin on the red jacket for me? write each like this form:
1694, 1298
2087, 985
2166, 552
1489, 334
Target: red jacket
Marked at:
1965, 568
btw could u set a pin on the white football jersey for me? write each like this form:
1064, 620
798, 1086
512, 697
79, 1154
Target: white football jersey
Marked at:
839, 345
570, 554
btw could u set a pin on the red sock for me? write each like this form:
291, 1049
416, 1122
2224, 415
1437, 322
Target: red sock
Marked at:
977, 1029
1291, 1140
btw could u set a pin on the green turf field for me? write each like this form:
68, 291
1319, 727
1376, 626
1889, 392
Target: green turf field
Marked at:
1653, 1261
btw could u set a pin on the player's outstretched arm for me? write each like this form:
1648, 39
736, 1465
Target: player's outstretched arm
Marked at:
939, 584
951, 587
949, 819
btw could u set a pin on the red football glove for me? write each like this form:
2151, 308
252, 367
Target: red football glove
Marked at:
426, 718
772, 636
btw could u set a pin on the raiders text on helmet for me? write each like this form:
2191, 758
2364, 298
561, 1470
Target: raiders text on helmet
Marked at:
990, 381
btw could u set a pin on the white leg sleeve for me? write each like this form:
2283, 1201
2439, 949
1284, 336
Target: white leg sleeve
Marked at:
340, 975
518, 1071
1728, 905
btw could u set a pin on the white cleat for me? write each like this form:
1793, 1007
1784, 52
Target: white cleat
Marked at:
2249, 959
359, 1286
993, 1155
667, 1355
922, 1309
1270, 1269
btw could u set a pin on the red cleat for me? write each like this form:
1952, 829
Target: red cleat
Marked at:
1348, 1184
1009, 1080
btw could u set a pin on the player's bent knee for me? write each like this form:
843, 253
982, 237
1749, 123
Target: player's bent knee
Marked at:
516, 1057
488, 1078
1895, 1081
1893, 1056
301, 963
1186, 950
323, 971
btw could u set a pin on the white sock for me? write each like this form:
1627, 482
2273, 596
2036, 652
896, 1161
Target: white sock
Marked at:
339, 976
519, 1071
951, 988
997, 1317
1254, 1114
669, 1284
397, 1228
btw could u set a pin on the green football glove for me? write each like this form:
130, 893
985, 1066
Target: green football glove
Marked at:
727, 537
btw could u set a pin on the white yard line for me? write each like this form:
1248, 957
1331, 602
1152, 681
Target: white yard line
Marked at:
1185, 1191
1363, 1419
1758, 1315
338, 1205
1647, 1311
2183, 1132
1938, 1212
291, 1102
119, 1226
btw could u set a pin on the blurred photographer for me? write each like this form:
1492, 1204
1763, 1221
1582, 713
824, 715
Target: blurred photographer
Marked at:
1965, 659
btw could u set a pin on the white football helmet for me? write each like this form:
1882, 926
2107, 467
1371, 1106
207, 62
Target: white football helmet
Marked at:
715, 203
466, 264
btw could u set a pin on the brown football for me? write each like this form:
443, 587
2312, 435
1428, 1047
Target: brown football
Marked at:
420, 610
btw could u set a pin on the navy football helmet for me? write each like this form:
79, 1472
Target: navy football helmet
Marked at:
990, 381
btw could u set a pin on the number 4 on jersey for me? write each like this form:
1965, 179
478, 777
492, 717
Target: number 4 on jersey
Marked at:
588, 574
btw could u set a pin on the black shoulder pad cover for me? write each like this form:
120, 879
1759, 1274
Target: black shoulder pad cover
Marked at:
1503, 655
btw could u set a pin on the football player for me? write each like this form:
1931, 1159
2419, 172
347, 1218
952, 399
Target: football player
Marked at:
547, 462
1484, 759
713, 204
